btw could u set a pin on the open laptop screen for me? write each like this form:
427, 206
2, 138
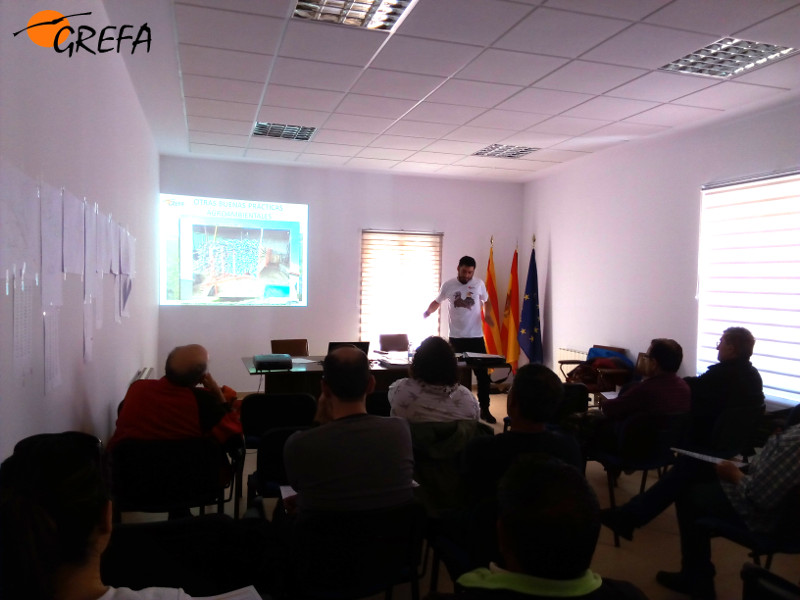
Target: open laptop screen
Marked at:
363, 346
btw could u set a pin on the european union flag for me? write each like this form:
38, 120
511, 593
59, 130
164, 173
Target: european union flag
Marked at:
530, 329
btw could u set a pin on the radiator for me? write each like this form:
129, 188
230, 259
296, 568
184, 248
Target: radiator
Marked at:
567, 354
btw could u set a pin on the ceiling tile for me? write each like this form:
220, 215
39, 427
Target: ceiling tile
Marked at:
505, 66
567, 125
230, 64
198, 107
371, 163
329, 42
621, 9
672, 115
322, 159
335, 136
357, 123
721, 20
488, 162
292, 116
629, 131
271, 8
410, 86
332, 149
648, 46
420, 129
296, 97
783, 29
215, 88
534, 139
385, 153
590, 143
213, 150
270, 143
479, 21
591, 78
559, 33
272, 155
428, 57
480, 135
784, 73
662, 87
310, 74
472, 93
444, 113
228, 30
453, 147
438, 158
375, 106
611, 109
553, 155
401, 142
729, 94
219, 125
218, 139
547, 102
416, 167
507, 119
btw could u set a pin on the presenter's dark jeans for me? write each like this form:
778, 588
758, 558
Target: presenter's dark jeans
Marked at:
481, 374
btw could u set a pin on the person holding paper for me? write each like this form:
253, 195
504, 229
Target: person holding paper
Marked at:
759, 498
468, 300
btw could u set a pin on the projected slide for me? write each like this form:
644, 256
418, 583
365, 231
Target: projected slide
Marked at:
217, 251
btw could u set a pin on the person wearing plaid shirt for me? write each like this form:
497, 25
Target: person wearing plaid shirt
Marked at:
757, 499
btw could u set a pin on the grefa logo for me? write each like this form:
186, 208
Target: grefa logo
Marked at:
51, 29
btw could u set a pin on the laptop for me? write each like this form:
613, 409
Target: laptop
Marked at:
363, 346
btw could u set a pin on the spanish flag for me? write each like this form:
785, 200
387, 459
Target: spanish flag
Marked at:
491, 333
508, 332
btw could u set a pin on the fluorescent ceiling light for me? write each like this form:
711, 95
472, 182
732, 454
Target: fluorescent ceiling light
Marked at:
501, 151
371, 14
287, 132
728, 57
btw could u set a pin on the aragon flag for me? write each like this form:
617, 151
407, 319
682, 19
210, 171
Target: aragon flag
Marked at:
491, 333
508, 331
530, 328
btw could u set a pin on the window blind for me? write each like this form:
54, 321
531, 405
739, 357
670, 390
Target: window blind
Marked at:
749, 276
400, 275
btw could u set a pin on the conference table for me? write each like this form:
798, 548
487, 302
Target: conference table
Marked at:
306, 374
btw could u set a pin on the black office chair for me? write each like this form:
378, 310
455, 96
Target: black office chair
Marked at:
339, 555
169, 475
644, 445
760, 584
261, 412
270, 474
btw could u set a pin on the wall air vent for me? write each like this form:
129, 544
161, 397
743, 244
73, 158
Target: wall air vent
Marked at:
728, 57
287, 132
502, 151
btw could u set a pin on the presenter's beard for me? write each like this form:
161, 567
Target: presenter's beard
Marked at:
462, 281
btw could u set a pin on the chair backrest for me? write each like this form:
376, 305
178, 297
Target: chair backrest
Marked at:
261, 412
760, 584
378, 403
292, 347
361, 345
647, 438
270, 472
575, 400
356, 554
163, 475
394, 342
735, 430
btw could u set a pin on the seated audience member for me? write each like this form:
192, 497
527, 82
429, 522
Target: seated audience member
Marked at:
731, 383
55, 522
759, 498
532, 401
547, 530
661, 392
173, 407
433, 393
353, 460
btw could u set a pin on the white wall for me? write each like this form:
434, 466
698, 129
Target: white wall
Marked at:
341, 204
617, 233
75, 122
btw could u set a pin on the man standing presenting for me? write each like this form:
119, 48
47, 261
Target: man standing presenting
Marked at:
468, 299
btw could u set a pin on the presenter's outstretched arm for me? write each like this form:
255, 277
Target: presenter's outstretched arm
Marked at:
432, 308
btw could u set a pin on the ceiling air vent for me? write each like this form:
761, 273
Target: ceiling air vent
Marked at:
287, 132
728, 57
501, 151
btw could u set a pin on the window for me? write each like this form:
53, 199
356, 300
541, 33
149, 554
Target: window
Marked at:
400, 275
749, 276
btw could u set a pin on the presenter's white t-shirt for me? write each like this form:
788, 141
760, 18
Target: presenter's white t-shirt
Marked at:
465, 306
